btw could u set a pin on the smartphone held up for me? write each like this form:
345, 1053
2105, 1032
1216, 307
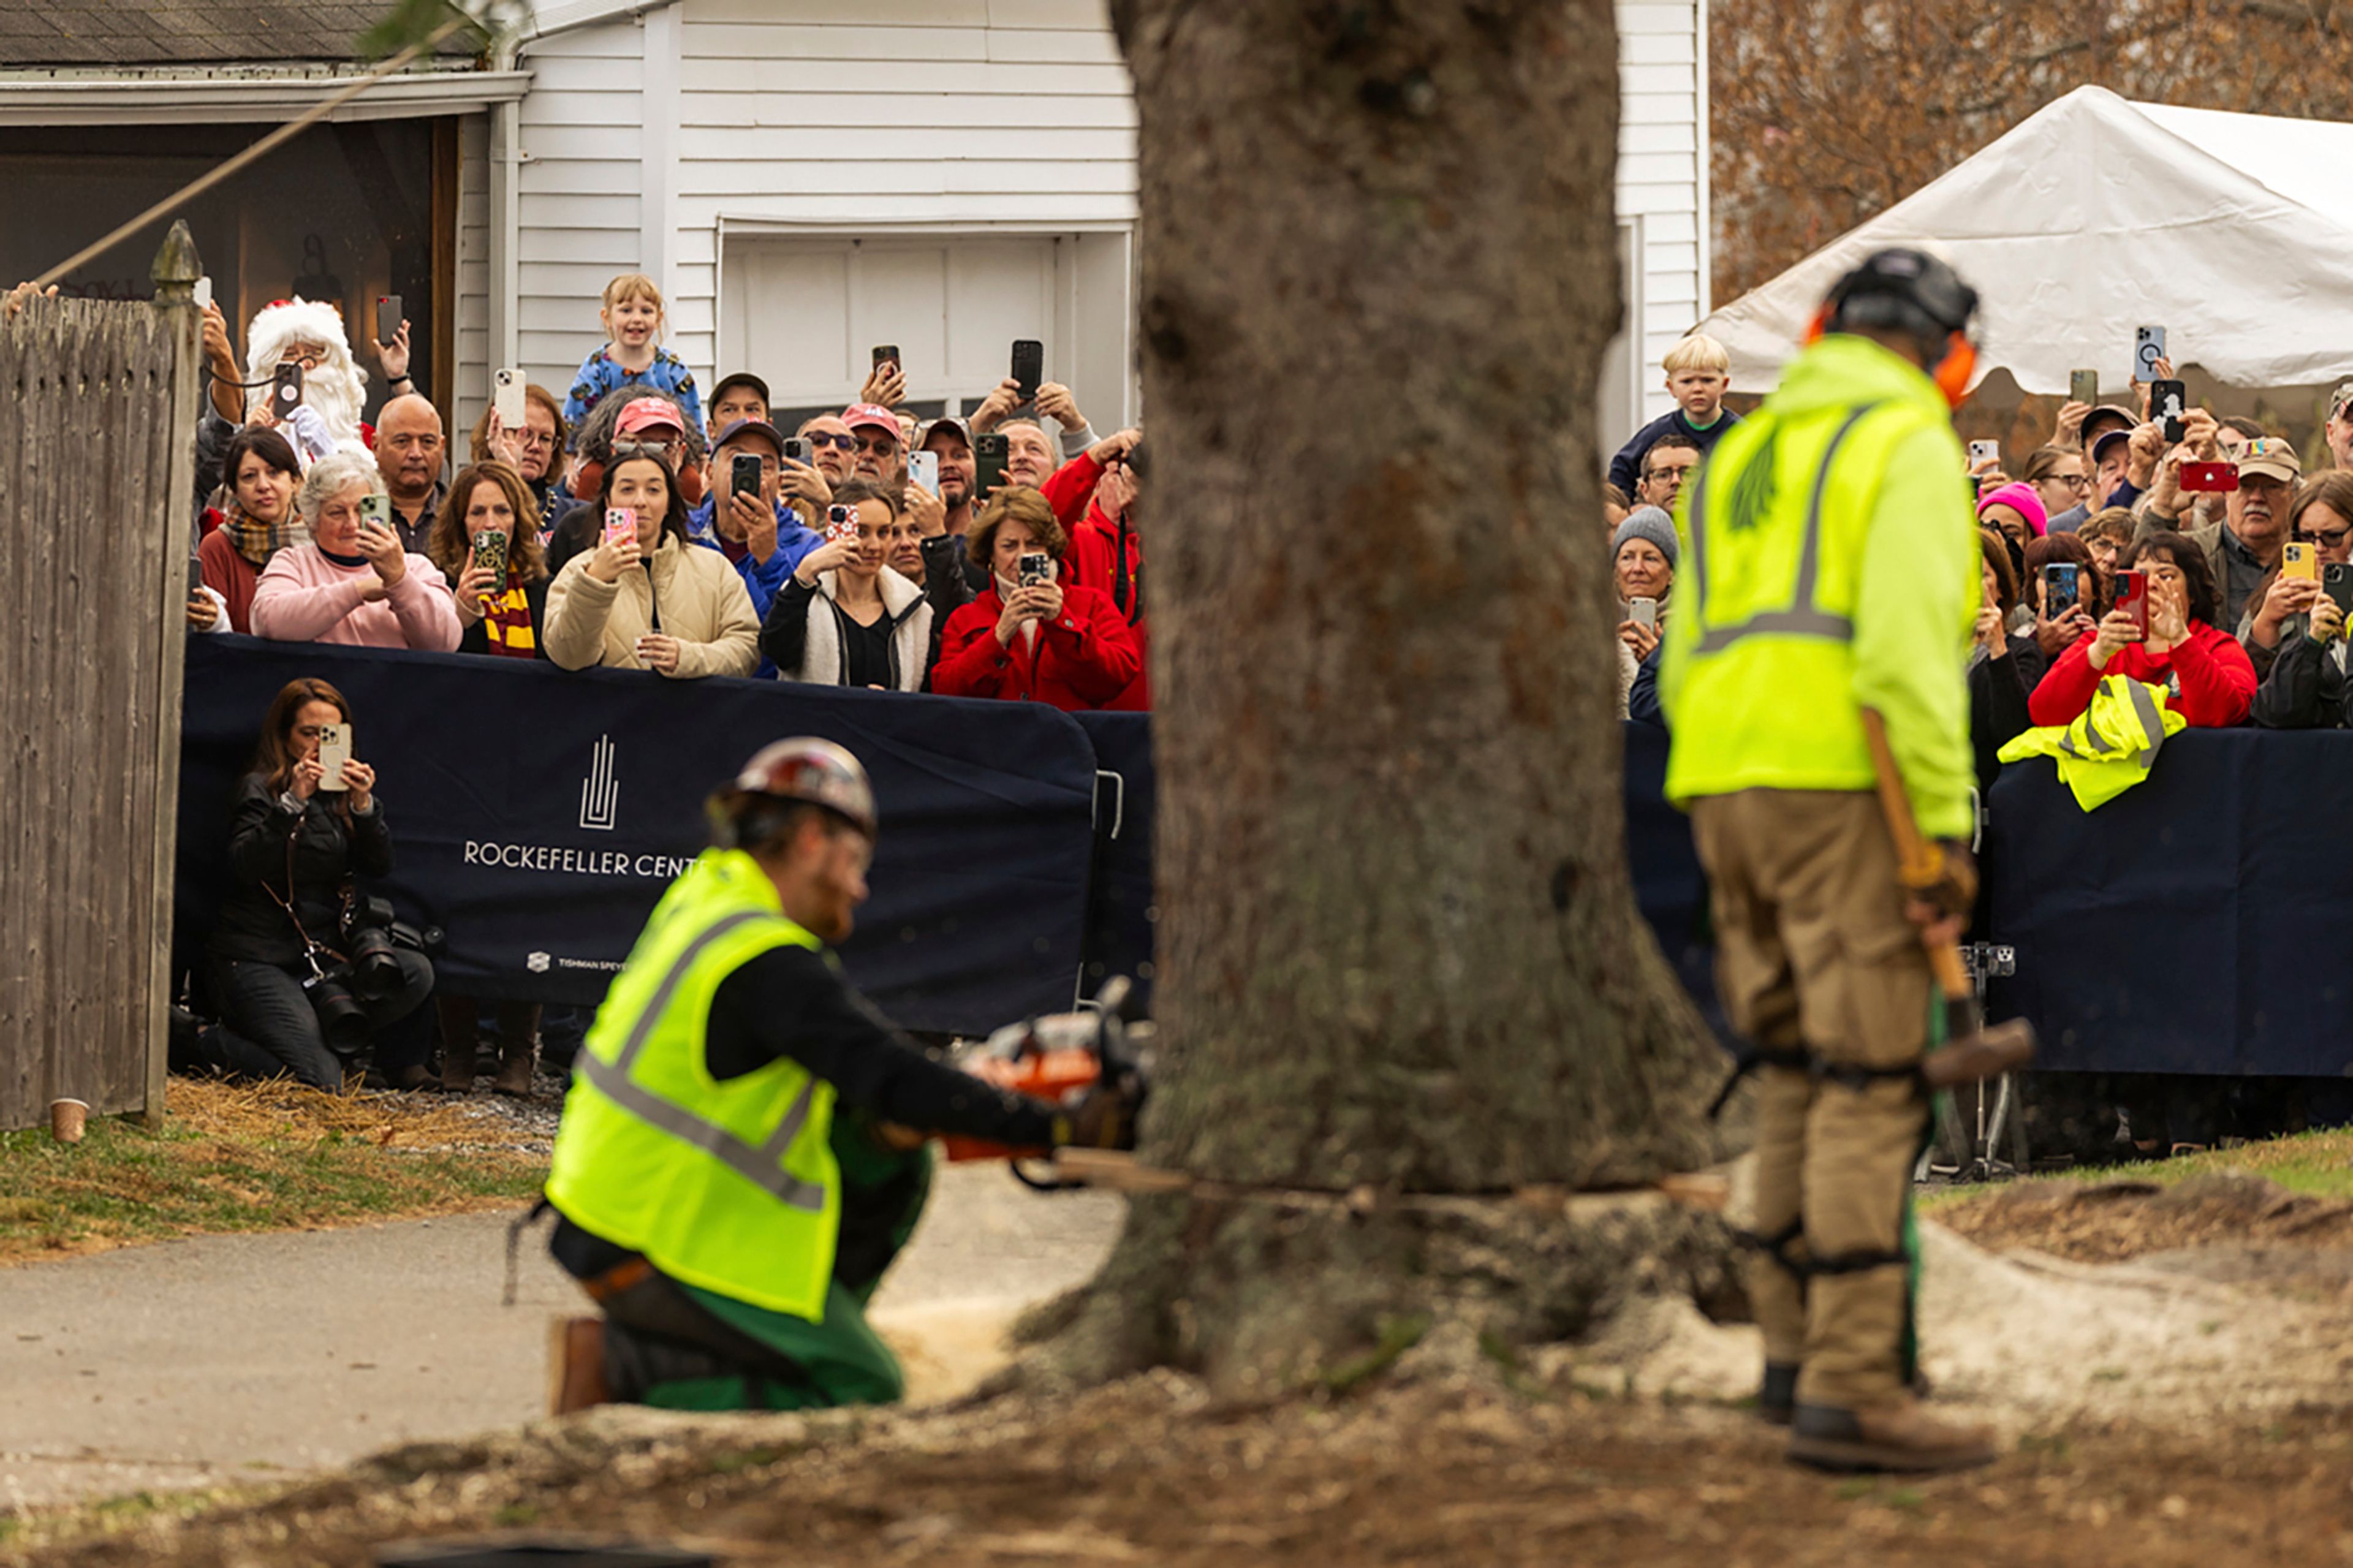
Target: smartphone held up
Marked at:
334, 750
2132, 599
2062, 588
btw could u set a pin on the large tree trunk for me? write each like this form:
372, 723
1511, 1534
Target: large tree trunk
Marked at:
1397, 944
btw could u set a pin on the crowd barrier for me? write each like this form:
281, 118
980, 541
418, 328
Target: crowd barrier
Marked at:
536, 815
2188, 926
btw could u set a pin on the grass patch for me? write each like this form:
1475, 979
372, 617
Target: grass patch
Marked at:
2320, 1164
235, 1158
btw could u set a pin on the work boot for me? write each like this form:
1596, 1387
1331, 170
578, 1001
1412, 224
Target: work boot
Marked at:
516, 1054
575, 1364
1777, 1400
1899, 1435
457, 1066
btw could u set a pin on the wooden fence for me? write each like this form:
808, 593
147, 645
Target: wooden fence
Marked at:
96, 476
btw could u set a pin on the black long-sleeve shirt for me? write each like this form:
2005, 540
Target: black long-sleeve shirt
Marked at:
790, 1002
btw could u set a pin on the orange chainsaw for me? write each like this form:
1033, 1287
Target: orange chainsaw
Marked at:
1059, 1058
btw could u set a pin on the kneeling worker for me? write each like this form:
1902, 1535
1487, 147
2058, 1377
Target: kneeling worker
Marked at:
708, 1198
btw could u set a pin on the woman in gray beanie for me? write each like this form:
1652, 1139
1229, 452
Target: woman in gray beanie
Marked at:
1643, 564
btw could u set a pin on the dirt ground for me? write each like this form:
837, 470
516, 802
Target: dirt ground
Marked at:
2169, 1378
1443, 1472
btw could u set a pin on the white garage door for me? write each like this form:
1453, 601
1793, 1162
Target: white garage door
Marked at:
806, 313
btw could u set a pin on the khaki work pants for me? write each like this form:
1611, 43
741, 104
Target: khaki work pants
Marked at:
1813, 952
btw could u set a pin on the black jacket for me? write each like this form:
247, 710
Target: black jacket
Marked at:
264, 840
577, 529
2303, 690
1998, 692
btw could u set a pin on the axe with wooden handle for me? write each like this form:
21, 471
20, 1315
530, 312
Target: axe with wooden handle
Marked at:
1971, 1051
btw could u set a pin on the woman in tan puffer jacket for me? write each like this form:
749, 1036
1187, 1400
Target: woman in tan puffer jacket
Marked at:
650, 600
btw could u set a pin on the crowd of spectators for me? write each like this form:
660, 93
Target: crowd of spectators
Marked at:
613, 525
2228, 589
619, 526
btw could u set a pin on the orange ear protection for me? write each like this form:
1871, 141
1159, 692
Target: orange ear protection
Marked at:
1951, 371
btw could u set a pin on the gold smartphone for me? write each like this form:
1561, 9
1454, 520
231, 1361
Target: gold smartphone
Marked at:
2297, 560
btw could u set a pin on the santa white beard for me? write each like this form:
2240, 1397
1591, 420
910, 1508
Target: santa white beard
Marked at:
336, 390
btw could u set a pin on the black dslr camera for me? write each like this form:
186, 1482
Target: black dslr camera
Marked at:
370, 972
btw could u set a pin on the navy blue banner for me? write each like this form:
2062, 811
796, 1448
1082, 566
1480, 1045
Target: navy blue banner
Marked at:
1120, 912
536, 815
2194, 924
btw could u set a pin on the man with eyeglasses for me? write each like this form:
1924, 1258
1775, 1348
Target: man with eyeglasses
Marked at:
1671, 460
879, 456
2245, 546
831, 445
408, 453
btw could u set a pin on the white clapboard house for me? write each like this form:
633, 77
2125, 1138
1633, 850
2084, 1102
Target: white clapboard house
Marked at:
805, 178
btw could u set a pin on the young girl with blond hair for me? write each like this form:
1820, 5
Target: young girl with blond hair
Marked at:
633, 321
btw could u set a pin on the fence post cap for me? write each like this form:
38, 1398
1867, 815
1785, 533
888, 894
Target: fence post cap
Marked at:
177, 266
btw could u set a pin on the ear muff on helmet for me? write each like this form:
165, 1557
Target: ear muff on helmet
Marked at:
1951, 370
1952, 373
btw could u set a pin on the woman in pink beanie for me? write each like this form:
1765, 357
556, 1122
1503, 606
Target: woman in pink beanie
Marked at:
2015, 510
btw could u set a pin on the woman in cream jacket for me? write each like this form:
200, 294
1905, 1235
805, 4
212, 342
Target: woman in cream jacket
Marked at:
650, 600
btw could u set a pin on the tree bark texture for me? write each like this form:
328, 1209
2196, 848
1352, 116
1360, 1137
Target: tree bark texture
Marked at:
1398, 943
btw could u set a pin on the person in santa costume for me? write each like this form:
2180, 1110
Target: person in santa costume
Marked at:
335, 388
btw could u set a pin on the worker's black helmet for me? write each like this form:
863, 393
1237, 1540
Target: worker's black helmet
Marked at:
1904, 291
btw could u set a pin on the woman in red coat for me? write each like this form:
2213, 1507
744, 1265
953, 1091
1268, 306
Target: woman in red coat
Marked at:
1027, 637
2206, 672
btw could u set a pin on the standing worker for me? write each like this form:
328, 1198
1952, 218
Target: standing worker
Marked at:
1833, 569
710, 1197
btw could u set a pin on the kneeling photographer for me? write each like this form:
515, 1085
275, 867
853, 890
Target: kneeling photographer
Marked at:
306, 971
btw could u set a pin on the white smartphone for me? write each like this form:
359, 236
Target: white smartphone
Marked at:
1645, 612
924, 468
1984, 452
203, 291
334, 750
507, 401
2148, 347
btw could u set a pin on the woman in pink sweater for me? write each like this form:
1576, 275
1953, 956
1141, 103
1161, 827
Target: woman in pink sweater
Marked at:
352, 583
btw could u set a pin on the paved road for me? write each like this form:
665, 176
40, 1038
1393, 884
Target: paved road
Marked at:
224, 1359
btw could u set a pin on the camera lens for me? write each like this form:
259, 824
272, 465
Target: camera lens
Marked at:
343, 1022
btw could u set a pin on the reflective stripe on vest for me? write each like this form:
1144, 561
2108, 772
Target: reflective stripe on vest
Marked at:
1803, 618
2098, 747
760, 1166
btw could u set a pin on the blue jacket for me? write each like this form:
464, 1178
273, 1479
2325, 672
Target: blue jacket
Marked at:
762, 579
1626, 467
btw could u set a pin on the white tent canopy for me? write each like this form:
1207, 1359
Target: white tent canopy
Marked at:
2096, 216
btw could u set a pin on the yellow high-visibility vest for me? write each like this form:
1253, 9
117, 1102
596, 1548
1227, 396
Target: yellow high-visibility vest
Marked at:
731, 1187
1761, 667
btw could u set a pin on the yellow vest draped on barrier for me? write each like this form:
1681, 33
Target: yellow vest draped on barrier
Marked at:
730, 1186
2111, 745
1843, 496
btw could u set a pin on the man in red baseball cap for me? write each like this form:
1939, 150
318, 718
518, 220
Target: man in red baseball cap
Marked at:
882, 448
